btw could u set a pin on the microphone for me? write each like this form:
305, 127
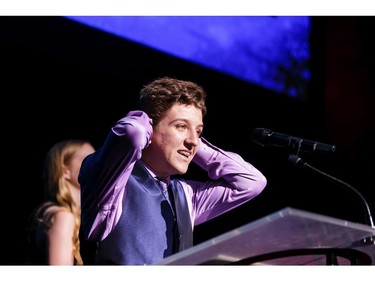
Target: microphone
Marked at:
266, 137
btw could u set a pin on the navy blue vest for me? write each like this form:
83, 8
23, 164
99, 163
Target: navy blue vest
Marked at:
148, 230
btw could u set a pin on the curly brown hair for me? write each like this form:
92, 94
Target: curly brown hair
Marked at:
160, 95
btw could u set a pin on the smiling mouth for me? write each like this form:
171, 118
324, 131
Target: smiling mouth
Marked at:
186, 154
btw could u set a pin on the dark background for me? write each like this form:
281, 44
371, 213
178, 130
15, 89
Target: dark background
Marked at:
60, 79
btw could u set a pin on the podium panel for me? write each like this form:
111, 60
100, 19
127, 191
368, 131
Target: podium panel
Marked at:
288, 230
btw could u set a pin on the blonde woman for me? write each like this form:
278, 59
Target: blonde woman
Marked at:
54, 232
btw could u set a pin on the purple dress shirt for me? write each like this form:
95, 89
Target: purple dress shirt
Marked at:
103, 176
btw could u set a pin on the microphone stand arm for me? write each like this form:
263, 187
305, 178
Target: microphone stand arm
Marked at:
294, 159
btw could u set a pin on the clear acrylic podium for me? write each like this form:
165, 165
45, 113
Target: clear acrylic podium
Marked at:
295, 233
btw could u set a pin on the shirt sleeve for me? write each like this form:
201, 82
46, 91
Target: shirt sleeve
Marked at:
233, 181
104, 174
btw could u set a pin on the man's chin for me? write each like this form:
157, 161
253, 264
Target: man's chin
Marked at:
181, 170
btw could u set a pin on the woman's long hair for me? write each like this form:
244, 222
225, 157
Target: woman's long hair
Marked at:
56, 190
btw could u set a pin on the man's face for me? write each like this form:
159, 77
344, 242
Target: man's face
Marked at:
175, 140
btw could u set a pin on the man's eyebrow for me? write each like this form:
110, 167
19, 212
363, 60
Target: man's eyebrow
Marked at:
186, 121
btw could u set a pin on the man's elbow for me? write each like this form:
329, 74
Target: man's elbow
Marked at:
262, 183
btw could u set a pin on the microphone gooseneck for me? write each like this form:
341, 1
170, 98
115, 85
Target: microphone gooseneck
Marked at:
294, 159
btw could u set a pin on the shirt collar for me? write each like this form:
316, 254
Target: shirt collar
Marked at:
167, 179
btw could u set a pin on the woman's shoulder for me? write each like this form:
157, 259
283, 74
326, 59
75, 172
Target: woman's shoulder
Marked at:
60, 218
54, 209
53, 212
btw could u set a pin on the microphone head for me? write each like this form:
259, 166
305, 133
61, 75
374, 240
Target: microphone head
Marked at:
261, 136
266, 137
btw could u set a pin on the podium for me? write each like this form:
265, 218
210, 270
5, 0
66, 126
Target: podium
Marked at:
287, 237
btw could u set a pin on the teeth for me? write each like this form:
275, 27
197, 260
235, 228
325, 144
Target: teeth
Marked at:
186, 154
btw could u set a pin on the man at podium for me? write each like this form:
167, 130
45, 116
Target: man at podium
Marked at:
133, 204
